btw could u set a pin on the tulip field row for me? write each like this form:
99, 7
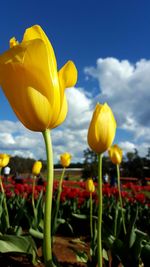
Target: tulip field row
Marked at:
74, 199
73, 218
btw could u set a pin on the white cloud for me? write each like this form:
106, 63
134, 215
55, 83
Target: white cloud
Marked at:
130, 147
127, 146
126, 87
79, 109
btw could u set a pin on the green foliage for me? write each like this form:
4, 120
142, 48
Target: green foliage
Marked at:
132, 165
90, 164
18, 245
23, 165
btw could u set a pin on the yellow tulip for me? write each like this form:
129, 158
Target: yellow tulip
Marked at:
37, 166
90, 187
31, 82
65, 159
4, 160
115, 154
102, 129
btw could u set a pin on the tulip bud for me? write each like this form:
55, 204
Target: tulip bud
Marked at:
102, 129
90, 187
4, 160
36, 167
115, 154
65, 159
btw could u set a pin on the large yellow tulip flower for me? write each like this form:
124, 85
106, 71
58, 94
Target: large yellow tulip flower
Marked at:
31, 83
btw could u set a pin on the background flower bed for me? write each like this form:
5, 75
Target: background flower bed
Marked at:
75, 202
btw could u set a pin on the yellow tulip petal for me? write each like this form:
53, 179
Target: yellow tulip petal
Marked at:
13, 42
67, 78
115, 154
4, 160
68, 75
36, 32
36, 168
89, 184
65, 159
37, 65
31, 107
102, 129
105, 124
15, 54
62, 114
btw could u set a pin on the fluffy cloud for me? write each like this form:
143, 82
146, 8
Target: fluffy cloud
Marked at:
125, 86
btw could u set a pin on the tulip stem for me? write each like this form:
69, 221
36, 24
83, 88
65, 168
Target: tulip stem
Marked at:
33, 202
5, 203
120, 198
116, 217
100, 210
91, 211
58, 197
48, 201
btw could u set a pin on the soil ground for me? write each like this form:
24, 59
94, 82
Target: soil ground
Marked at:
64, 250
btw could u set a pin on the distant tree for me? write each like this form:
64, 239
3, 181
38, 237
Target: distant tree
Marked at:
133, 165
130, 156
23, 165
148, 153
90, 164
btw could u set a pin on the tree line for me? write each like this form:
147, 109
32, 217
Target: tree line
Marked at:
133, 165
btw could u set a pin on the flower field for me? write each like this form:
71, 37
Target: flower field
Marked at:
74, 212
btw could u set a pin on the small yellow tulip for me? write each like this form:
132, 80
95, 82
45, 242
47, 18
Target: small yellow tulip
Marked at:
65, 159
102, 129
90, 187
37, 166
115, 154
4, 160
35, 89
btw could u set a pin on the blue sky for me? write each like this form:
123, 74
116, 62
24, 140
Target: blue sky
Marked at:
109, 41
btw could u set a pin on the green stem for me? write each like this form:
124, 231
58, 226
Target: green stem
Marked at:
58, 197
5, 203
116, 217
100, 210
91, 219
120, 199
48, 201
33, 202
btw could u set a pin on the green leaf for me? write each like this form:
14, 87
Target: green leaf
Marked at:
18, 244
36, 233
105, 255
82, 257
80, 216
61, 221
